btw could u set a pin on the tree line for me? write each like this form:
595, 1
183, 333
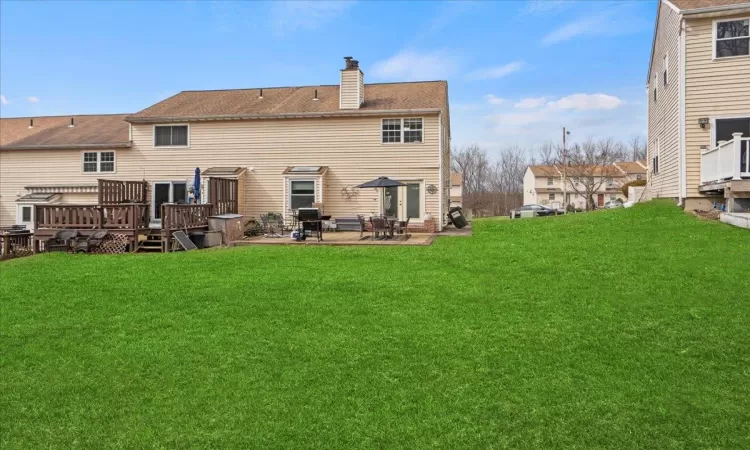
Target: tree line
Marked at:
494, 187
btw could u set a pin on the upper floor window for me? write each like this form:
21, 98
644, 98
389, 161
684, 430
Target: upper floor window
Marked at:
170, 135
550, 181
732, 38
665, 70
639, 177
401, 130
610, 182
94, 162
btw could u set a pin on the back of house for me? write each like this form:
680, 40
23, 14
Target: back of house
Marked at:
699, 103
287, 147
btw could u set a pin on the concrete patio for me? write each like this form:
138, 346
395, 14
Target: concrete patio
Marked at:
338, 238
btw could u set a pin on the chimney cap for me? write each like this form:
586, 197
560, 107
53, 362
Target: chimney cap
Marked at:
351, 63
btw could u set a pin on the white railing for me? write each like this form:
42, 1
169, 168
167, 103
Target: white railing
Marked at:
728, 160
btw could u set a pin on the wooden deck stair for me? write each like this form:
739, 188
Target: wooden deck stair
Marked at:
152, 242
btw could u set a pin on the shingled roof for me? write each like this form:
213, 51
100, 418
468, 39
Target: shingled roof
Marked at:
55, 132
282, 102
688, 5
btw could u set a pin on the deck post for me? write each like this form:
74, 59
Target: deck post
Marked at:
6, 245
737, 159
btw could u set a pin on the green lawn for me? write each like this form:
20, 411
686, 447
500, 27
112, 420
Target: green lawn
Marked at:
621, 329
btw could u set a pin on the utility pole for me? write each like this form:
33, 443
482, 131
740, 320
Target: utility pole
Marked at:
565, 168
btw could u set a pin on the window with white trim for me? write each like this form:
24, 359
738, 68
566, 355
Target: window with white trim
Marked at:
550, 181
665, 70
26, 214
732, 38
301, 193
97, 162
610, 182
655, 158
170, 135
408, 130
552, 196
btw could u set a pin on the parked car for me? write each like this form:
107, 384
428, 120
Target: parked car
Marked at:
613, 204
541, 210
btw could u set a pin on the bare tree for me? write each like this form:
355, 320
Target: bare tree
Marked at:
588, 166
637, 147
506, 180
547, 153
473, 163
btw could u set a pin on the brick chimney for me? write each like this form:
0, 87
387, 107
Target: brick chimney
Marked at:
352, 94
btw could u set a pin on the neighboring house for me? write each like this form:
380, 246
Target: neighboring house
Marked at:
543, 184
290, 147
457, 187
699, 103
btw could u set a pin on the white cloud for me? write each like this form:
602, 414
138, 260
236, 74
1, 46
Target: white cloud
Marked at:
3, 100
290, 16
580, 27
493, 100
583, 102
530, 103
32, 99
410, 66
495, 72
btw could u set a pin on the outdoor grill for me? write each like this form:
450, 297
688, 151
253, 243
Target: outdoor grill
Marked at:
309, 219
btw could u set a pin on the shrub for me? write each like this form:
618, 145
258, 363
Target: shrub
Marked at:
634, 183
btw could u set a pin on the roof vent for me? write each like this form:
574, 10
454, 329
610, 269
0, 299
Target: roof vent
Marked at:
72, 122
31, 123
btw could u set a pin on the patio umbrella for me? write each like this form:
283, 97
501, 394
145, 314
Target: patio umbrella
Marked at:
381, 182
197, 185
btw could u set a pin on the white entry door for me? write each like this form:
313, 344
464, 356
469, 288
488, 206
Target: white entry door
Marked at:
404, 201
166, 192
25, 215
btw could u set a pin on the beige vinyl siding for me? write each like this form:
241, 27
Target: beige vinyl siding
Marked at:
352, 87
351, 147
21, 168
713, 88
664, 114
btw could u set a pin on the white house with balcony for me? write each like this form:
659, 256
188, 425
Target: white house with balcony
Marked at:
699, 104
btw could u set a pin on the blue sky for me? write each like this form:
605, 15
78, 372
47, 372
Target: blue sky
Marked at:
517, 71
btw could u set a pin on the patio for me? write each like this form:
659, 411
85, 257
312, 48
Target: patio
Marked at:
338, 238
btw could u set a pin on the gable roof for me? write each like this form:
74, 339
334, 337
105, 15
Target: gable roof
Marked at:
544, 171
55, 132
631, 167
690, 5
424, 96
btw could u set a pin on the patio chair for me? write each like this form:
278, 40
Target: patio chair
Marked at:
273, 224
61, 242
379, 225
401, 228
91, 243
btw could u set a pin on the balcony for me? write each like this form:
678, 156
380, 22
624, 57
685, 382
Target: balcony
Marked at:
730, 160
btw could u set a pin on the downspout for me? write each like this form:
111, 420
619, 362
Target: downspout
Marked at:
683, 120
440, 172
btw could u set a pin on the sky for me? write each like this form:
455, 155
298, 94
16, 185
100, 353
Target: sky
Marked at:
517, 71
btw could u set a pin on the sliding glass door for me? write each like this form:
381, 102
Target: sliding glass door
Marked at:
167, 192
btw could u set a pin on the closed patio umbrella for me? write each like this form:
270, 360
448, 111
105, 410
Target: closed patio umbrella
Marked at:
381, 182
197, 185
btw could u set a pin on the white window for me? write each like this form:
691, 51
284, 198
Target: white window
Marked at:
98, 162
654, 84
552, 196
550, 181
655, 158
732, 38
402, 130
301, 193
26, 214
610, 182
171, 136
665, 70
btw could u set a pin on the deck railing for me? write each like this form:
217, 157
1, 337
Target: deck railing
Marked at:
131, 216
180, 217
16, 244
728, 160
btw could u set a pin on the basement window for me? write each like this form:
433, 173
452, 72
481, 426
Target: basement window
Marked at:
170, 136
98, 162
732, 38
